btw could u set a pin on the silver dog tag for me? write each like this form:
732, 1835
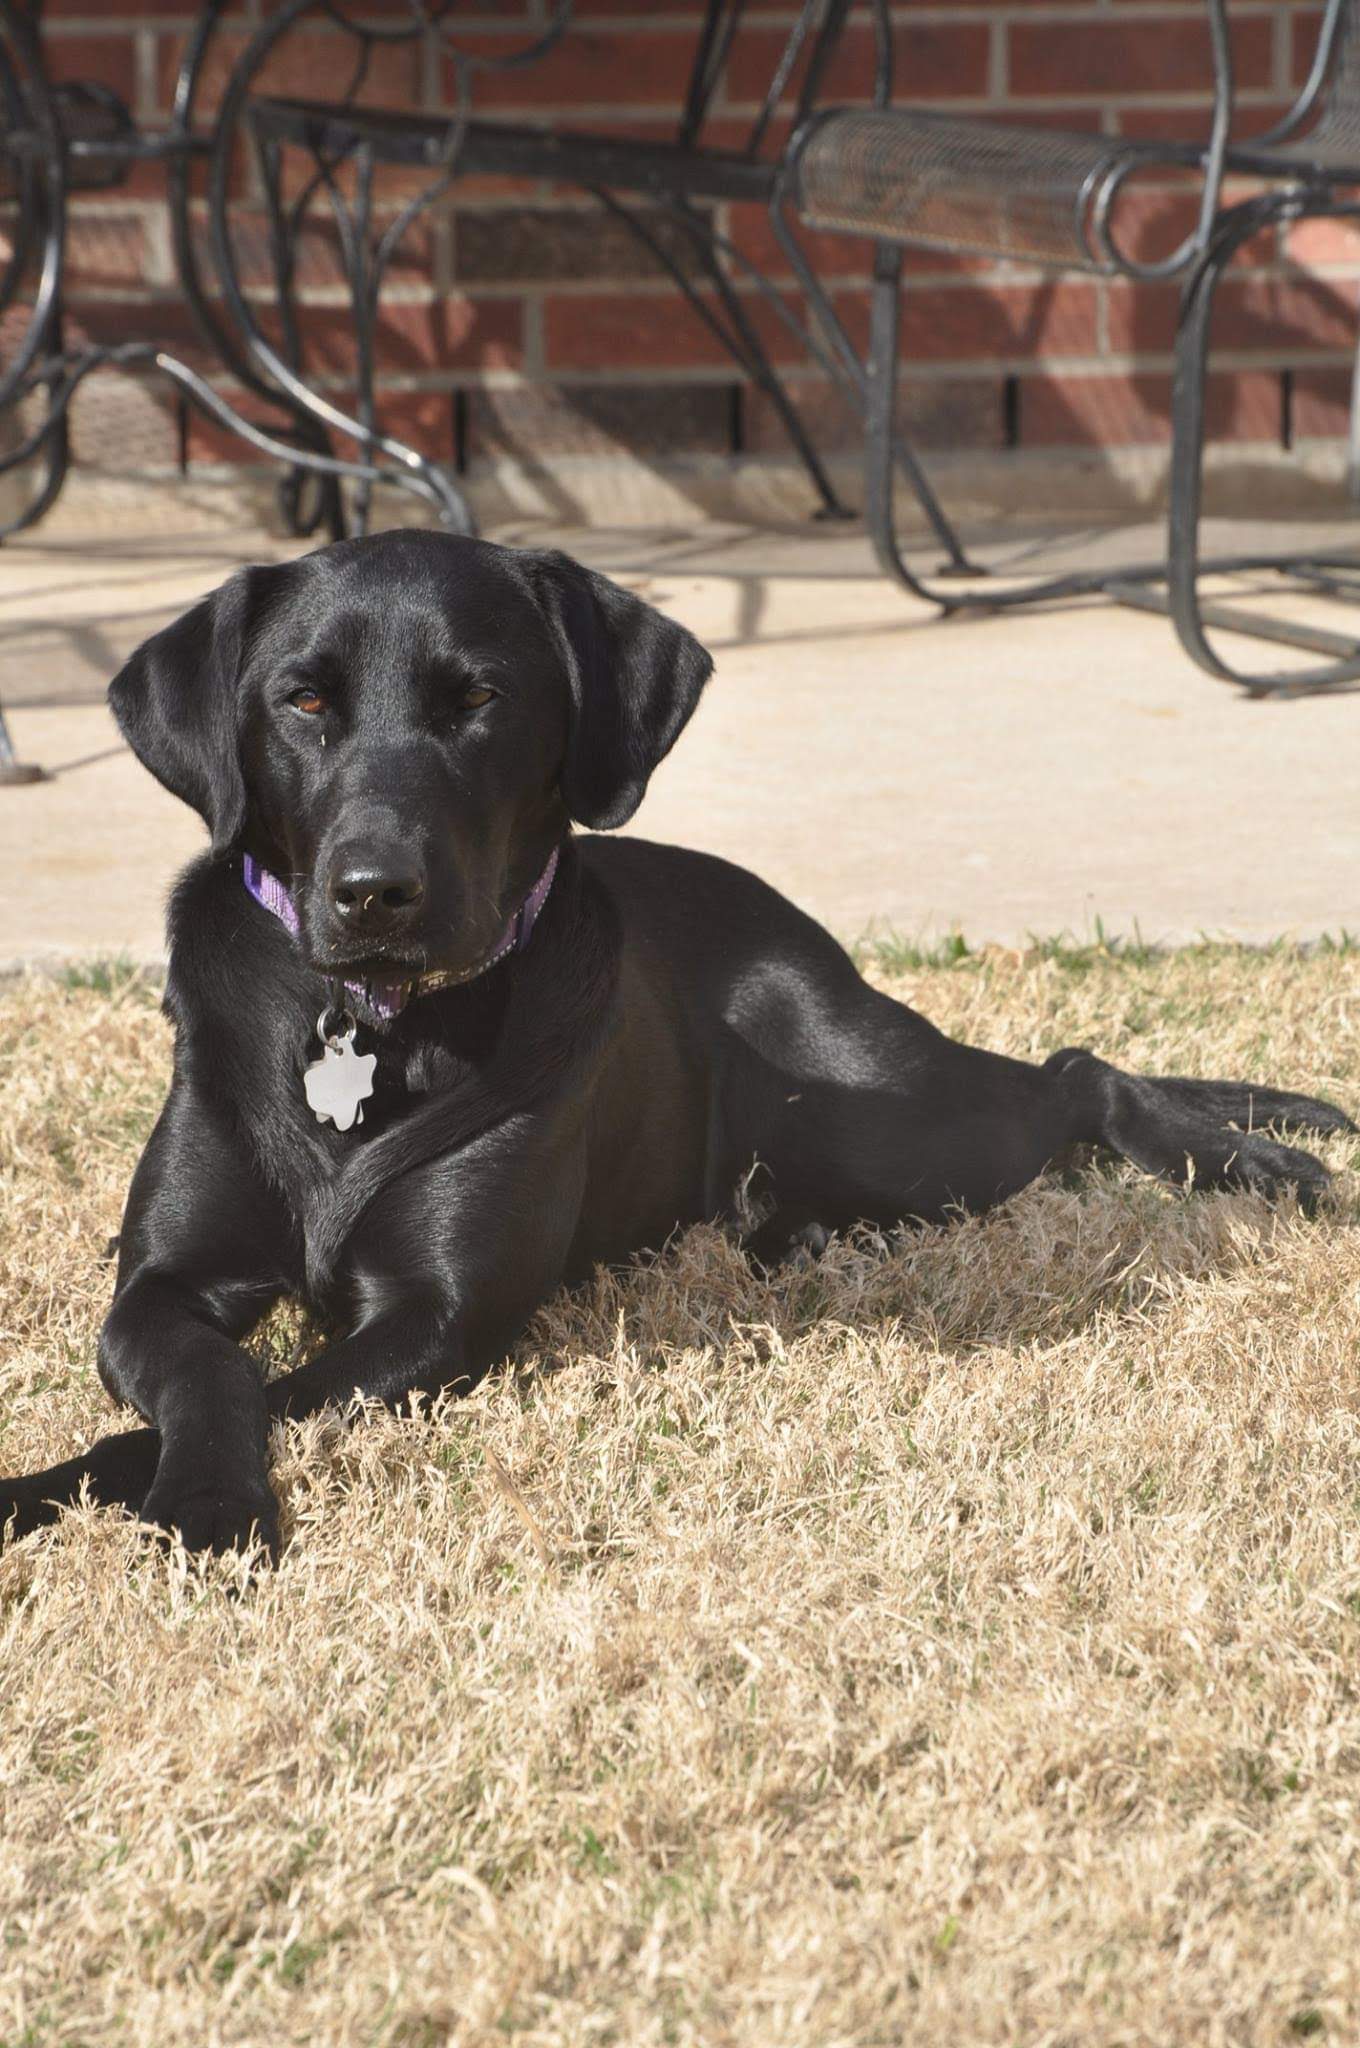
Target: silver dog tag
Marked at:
341, 1081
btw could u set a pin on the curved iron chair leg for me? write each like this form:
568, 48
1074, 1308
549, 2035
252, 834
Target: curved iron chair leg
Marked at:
50, 198
738, 336
306, 500
13, 771
888, 456
881, 446
838, 358
766, 377
1184, 563
41, 210
1135, 584
54, 446
70, 375
48, 201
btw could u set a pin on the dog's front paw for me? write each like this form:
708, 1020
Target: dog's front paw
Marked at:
216, 1518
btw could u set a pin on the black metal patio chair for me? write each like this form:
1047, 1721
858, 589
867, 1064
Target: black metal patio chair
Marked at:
904, 175
641, 182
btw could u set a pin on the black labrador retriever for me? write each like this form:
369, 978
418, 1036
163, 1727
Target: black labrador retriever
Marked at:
436, 1057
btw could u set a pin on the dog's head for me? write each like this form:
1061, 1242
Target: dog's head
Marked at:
401, 727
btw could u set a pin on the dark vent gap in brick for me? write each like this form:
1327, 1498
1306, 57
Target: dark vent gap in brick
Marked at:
736, 419
460, 431
1010, 412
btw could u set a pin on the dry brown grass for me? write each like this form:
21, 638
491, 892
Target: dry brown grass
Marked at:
958, 1641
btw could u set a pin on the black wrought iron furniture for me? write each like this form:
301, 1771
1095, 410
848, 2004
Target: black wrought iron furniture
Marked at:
638, 181
59, 139
904, 175
896, 174
891, 172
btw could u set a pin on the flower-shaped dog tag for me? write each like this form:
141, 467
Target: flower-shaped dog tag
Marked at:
341, 1081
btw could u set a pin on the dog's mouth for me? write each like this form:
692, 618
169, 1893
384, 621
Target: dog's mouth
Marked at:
380, 969
370, 965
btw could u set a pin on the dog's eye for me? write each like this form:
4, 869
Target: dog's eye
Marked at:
309, 701
473, 699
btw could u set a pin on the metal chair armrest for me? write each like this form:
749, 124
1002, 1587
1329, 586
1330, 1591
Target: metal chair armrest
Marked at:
905, 174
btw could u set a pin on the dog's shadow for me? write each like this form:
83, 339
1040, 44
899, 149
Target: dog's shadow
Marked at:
1042, 1268
1097, 1241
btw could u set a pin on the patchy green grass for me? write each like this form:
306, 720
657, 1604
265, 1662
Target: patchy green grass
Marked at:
890, 952
117, 977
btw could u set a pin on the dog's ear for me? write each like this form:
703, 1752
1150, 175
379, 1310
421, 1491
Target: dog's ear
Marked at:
175, 701
635, 678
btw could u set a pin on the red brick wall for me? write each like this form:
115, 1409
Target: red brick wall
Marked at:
521, 322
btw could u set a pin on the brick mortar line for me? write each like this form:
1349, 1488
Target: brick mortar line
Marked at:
1191, 99
970, 370
975, 369
65, 25
1003, 13
607, 27
545, 198
535, 292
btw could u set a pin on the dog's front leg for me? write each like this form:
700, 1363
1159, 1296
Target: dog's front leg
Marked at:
204, 1253
443, 1272
201, 1469
210, 1484
446, 1268
165, 1350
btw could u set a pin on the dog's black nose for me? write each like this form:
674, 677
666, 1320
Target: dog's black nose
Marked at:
373, 895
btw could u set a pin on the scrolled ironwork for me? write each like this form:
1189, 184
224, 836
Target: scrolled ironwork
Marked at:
366, 252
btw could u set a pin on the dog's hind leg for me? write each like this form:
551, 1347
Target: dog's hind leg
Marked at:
955, 1130
962, 1129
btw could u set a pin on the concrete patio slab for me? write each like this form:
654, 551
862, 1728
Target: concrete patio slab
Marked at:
999, 776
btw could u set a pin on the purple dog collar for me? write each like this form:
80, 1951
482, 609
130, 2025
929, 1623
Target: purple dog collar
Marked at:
387, 995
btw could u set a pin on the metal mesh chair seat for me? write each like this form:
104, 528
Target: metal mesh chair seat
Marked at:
904, 175
1318, 141
1330, 154
97, 130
